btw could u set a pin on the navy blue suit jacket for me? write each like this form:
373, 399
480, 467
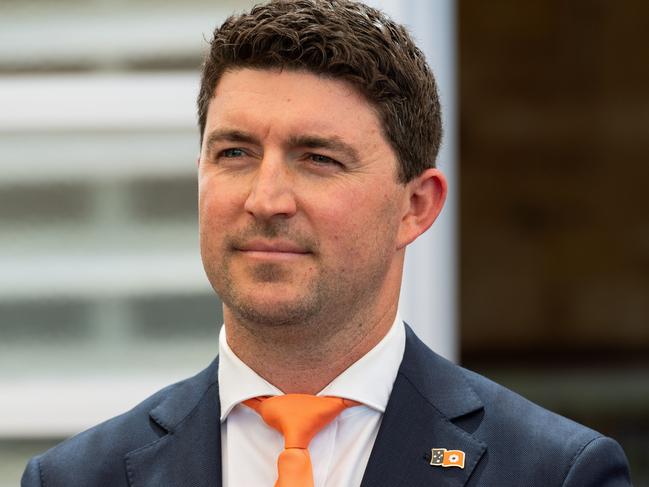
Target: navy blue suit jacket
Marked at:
172, 439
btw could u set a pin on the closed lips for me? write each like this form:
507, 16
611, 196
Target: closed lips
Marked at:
279, 246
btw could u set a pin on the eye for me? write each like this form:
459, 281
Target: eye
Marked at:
231, 153
321, 160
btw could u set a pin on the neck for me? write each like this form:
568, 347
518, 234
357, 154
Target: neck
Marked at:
304, 358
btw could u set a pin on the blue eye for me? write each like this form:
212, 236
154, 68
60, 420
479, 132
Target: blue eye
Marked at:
320, 159
231, 153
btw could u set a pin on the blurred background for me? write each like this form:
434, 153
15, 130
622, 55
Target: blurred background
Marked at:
101, 286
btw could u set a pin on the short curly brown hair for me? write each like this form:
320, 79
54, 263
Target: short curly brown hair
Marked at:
343, 40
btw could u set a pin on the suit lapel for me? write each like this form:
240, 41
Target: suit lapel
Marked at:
428, 394
190, 453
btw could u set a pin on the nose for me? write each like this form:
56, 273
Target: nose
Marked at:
272, 190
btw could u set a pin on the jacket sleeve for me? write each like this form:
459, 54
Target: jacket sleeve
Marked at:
601, 463
32, 474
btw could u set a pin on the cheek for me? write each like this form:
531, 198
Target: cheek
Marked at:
215, 200
214, 216
334, 213
349, 225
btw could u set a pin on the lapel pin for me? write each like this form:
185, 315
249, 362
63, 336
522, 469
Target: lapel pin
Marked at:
441, 457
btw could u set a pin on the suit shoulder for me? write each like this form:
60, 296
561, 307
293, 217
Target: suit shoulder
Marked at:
520, 432
98, 453
507, 409
96, 456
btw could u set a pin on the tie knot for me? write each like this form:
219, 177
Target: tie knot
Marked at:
298, 417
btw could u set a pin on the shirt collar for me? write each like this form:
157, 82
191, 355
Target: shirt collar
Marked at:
237, 381
369, 380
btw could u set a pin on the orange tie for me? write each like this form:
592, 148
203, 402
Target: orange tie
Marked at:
298, 417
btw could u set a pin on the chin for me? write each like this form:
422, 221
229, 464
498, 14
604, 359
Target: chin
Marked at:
273, 311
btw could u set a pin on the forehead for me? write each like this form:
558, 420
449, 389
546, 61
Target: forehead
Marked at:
277, 100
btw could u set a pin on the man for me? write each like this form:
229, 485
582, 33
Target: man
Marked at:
320, 125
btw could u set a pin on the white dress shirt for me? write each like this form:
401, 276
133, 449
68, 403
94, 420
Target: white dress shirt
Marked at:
340, 451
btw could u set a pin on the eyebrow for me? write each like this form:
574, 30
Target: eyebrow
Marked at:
333, 143
227, 135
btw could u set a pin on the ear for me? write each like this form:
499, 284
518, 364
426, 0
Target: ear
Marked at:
426, 195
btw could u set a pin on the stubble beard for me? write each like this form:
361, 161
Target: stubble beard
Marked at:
328, 297
249, 309
278, 313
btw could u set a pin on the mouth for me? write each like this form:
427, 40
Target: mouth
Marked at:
272, 249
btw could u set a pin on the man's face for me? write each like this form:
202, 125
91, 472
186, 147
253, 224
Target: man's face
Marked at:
299, 204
